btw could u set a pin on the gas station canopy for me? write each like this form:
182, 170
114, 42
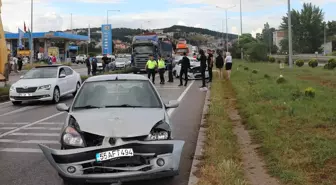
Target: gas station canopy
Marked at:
49, 35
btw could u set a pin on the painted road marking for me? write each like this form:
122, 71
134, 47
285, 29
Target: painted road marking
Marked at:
50, 123
7, 128
35, 134
23, 123
170, 111
20, 110
5, 103
31, 124
42, 128
29, 141
22, 150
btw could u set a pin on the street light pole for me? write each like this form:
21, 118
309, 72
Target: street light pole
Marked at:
290, 49
31, 32
241, 28
227, 38
107, 14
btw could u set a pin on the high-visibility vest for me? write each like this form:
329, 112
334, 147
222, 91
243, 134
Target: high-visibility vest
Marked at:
151, 64
161, 64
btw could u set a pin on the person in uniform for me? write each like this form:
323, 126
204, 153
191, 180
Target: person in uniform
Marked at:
151, 67
185, 65
162, 69
169, 62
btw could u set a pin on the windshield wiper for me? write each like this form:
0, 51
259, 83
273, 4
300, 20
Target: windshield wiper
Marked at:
88, 107
122, 105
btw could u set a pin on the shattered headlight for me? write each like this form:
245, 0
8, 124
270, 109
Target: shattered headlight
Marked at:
161, 131
71, 136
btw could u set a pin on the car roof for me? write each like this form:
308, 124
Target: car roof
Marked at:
116, 77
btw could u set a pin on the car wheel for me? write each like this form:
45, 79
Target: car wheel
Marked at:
77, 87
56, 95
16, 102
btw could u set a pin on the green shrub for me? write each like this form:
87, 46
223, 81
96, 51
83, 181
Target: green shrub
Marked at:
4, 91
313, 63
310, 92
266, 76
333, 53
281, 80
271, 59
279, 61
254, 71
331, 64
299, 63
246, 68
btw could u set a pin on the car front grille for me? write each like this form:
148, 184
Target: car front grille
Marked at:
138, 138
92, 139
124, 162
26, 90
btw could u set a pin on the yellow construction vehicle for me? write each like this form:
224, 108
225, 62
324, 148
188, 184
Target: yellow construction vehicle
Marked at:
3, 50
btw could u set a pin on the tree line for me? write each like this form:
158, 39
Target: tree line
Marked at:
308, 32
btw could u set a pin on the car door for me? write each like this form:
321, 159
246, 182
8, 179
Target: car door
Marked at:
62, 81
71, 77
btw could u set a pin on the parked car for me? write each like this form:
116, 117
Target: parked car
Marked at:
80, 59
194, 72
45, 83
117, 129
121, 63
100, 62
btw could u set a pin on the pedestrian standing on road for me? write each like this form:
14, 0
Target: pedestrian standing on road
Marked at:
210, 65
88, 65
20, 62
202, 58
228, 65
169, 61
151, 66
162, 69
15, 60
220, 63
94, 66
185, 65
53, 59
105, 62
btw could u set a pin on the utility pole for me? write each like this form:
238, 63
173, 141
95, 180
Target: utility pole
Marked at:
31, 32
241, 29
71, 22
227, 38
290, 49
325, 38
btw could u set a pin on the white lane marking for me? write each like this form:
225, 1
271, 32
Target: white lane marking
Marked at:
167, 88
23, 150
7, 128
34, 134
170, 111
23, 123
4, 103
20, 110
41, 128
50, 123
30, 124
29, 141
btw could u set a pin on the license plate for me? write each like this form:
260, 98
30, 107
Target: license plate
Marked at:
103, 156
25, 94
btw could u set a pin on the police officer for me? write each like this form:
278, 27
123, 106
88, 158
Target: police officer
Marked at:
185, 65
162, 69
151, 66
169, 62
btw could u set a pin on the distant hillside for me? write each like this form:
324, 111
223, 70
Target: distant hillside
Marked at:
125, 34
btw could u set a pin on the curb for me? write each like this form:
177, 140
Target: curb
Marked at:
193, 179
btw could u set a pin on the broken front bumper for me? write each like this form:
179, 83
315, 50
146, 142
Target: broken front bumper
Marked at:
80, 165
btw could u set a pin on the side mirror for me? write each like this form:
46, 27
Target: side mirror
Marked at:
21, 77
62, 76
172, 104
62, 107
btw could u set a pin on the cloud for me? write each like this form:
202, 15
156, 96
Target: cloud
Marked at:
254, 32
49, 17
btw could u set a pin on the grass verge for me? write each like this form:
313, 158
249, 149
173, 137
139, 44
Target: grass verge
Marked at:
296, 132
221, 162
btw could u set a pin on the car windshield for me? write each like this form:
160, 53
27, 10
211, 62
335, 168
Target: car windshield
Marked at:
117, 93
43, 72
143, 49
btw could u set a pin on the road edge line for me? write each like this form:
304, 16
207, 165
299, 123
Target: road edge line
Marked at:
193, 179
30, 124
171, 111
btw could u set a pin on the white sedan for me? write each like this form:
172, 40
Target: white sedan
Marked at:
45, 83
194, 72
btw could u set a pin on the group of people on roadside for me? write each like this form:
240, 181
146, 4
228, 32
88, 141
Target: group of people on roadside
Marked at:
15, 63
153, 66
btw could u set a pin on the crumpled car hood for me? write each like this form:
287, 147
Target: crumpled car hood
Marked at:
118, 122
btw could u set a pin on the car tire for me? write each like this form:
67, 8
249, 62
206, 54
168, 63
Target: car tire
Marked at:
77, 87
16, 102
56, 95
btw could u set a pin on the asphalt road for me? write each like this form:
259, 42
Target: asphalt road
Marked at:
23, 127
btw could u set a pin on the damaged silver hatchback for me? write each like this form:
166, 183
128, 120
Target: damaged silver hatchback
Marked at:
117, 129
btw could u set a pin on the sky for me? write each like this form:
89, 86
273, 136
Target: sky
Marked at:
52, 15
